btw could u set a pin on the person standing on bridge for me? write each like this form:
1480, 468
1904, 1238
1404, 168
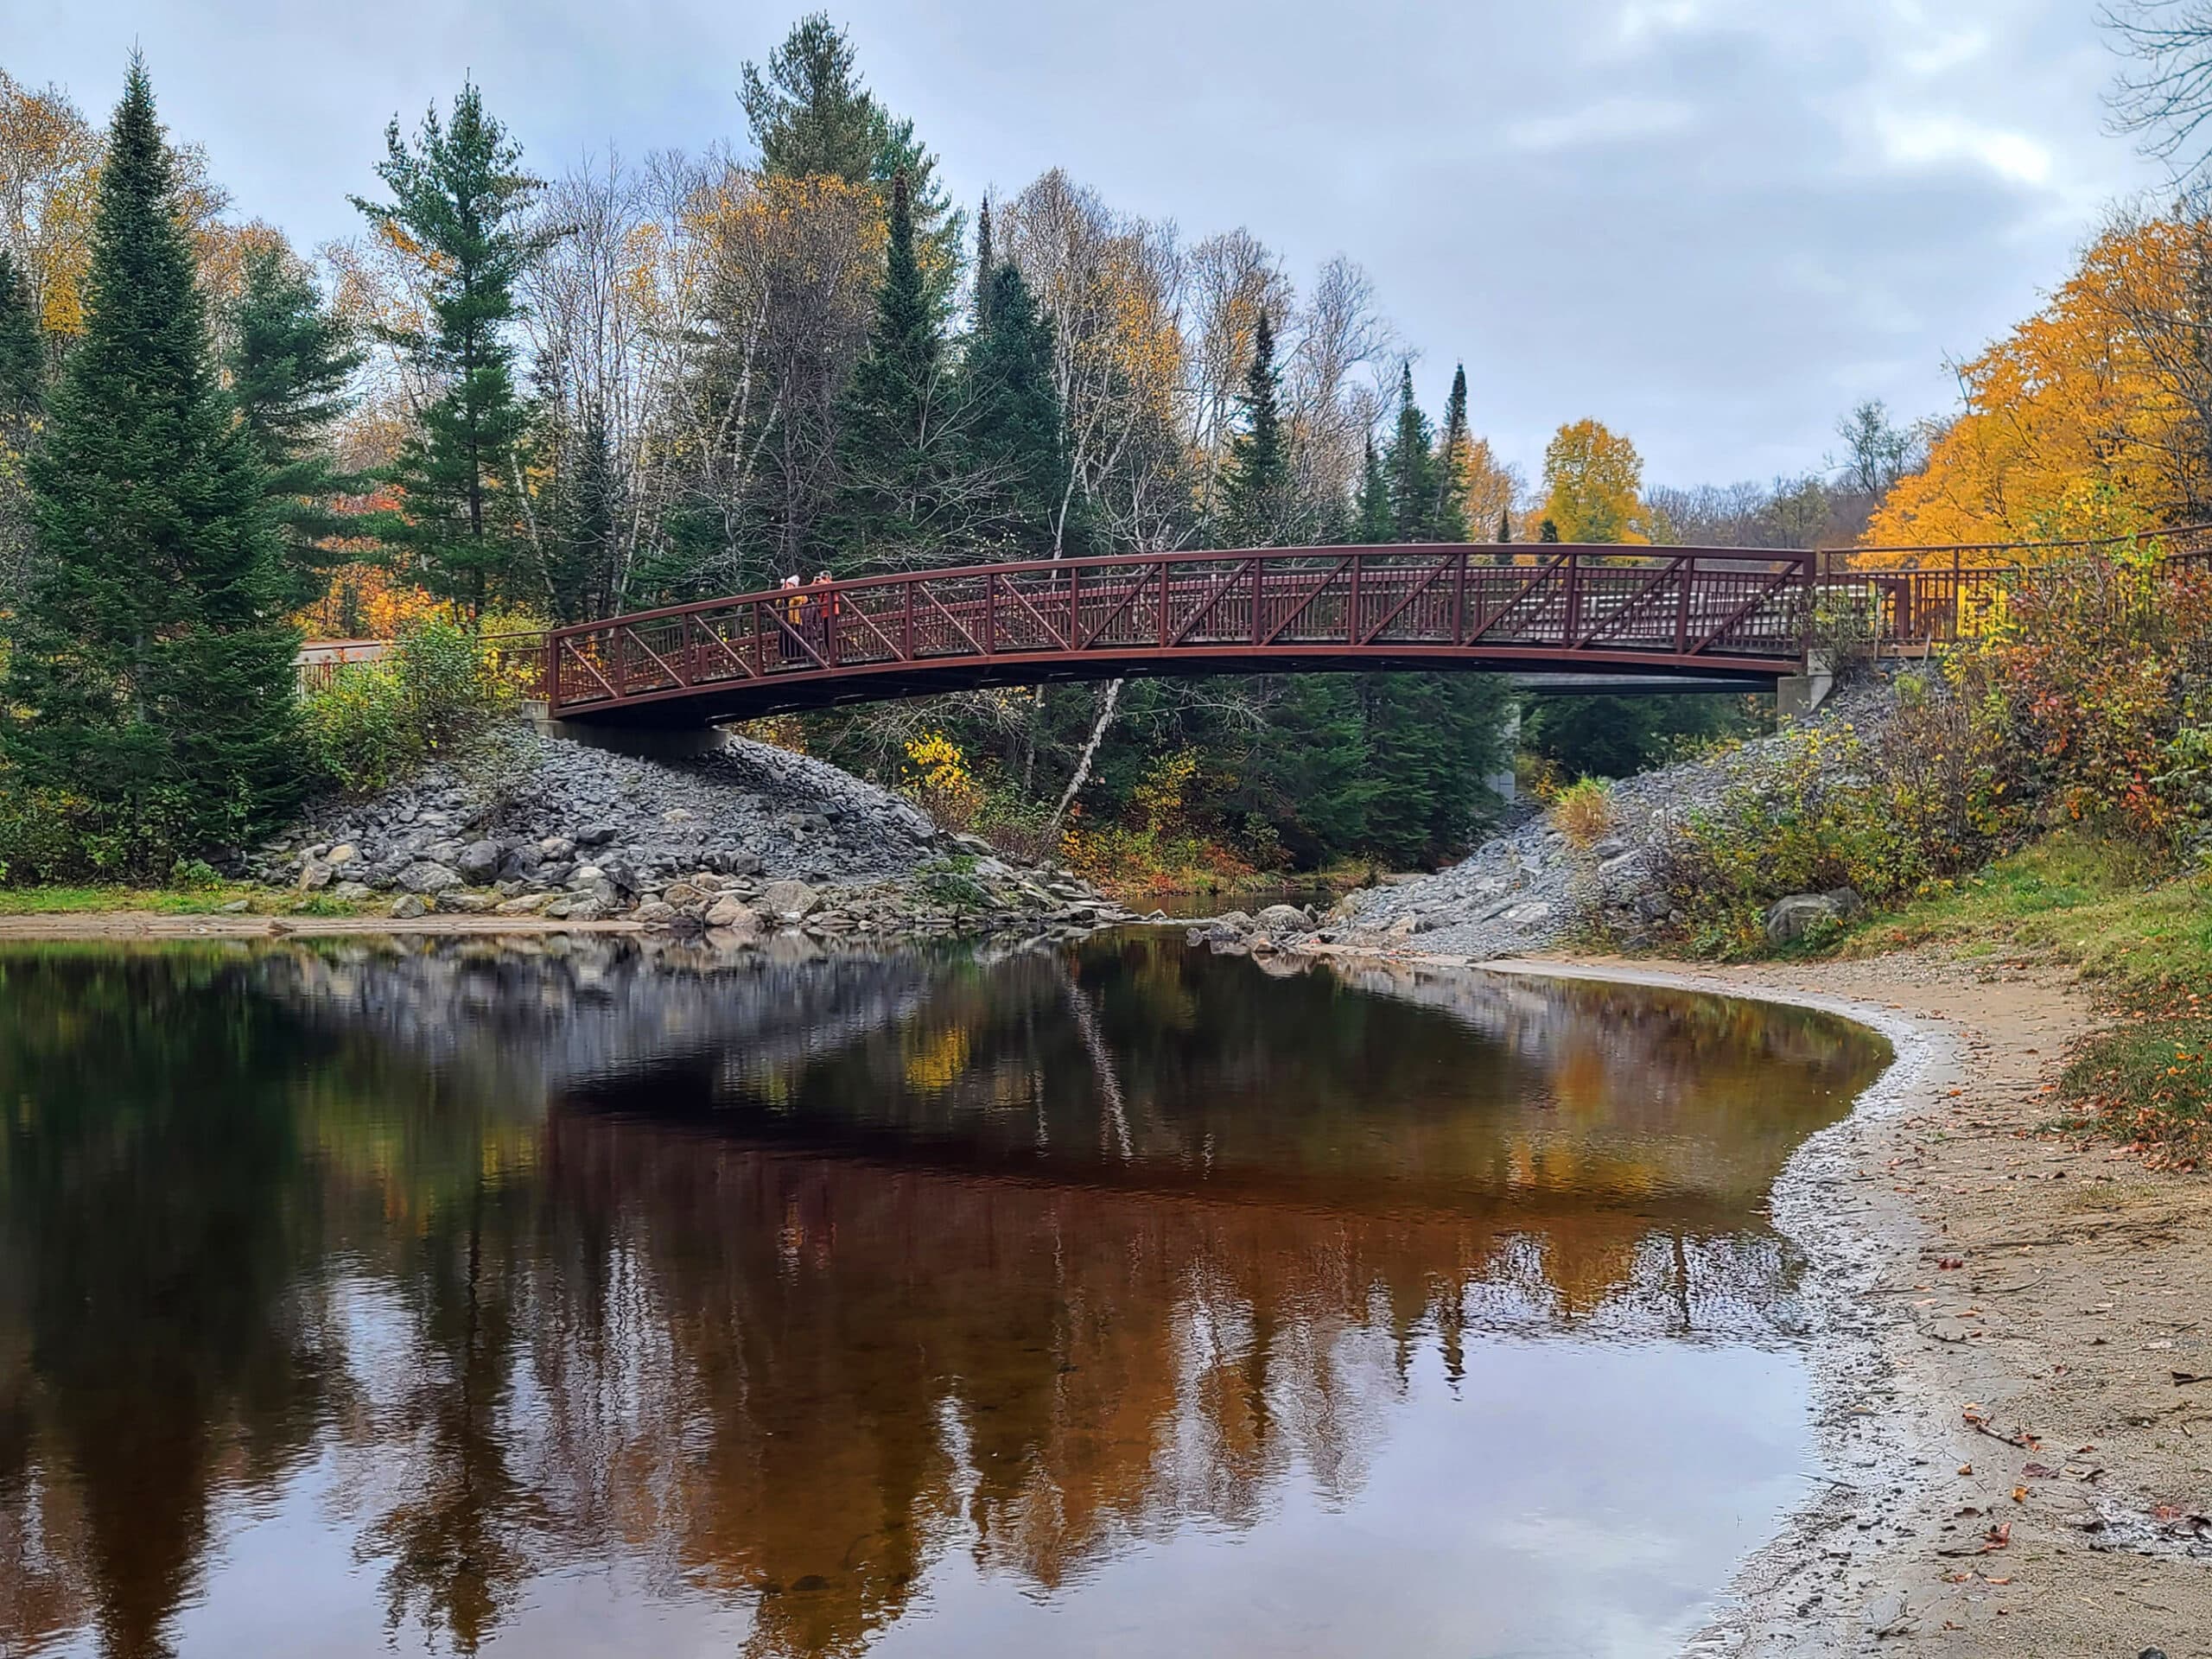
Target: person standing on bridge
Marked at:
794, 609
826, 610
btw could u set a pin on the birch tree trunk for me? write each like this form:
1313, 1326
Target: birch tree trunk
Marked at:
1083, 763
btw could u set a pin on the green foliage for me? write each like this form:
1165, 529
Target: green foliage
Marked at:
901, 492
458, 194
1619, 737
290, 361
1448, 521
1932, 795
810, 113
375, 722
1409, 466
580, 553
23, 353
149, 690
951, 882
1014, 435
1256, 486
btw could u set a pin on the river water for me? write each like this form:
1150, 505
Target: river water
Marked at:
604, 1298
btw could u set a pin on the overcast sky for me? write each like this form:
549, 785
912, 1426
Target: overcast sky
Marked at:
1712, 223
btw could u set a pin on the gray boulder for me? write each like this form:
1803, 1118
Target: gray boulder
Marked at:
1282, 919
427, 876
790, 900
479, 861
1802, 913
734, 914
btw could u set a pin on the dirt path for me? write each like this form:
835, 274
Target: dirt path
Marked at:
2013, 1383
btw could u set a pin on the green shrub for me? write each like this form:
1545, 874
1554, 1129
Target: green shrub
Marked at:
375, 722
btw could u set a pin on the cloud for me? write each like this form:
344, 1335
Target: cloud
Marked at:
1920, 139
1612, 121
1712, 223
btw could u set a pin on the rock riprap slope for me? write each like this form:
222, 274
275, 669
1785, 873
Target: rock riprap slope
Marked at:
1531, 888
750, 838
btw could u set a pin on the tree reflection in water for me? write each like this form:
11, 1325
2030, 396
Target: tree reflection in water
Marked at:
778, 1281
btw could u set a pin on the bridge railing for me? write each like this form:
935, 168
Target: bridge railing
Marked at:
1918, 597
1727, 605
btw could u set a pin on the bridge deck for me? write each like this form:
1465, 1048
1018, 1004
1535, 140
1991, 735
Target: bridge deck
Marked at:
1700, 613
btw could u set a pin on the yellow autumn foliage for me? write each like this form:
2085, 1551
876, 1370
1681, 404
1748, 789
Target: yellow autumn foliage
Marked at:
2071, 428
1594, 485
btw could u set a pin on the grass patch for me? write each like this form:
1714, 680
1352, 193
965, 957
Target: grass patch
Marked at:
166, 901
2140, 933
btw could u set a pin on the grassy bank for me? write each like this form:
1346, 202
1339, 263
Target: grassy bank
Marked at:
166, 901
2140, 934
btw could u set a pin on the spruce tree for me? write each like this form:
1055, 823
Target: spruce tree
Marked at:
1448, 520
1410, 467
1504, 527
150, 675
1256, 481
894, 445
289, 361
22, 349
812, 114
457, 195
581, 544
1372, 523
985, 264
1548, 531
1014, 436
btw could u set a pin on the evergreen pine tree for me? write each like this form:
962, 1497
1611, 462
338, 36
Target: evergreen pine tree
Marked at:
1013, 435
893, 443
289, 361
1256, 481
985, 264
23, 351
811, 114
1448, 522
1372, 523
456, 195
1504, 527
1410, 467
152, 677
1548, 531
581, 549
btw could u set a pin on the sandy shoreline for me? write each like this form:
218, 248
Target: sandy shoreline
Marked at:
2066, 1514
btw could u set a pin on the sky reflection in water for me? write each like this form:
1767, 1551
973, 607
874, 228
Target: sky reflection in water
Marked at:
611, 1299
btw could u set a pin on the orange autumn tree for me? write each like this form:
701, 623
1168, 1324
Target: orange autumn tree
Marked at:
2081, 421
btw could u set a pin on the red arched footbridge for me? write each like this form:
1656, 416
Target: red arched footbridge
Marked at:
1699, 614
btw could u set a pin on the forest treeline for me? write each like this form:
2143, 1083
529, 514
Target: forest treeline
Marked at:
512, 399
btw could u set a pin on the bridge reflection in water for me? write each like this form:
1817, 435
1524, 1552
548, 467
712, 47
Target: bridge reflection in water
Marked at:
799, 1302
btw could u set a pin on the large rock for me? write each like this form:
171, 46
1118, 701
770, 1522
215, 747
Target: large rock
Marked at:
790, 900
1802, 913
1282, 919
479, 861
428, 876
734, 914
